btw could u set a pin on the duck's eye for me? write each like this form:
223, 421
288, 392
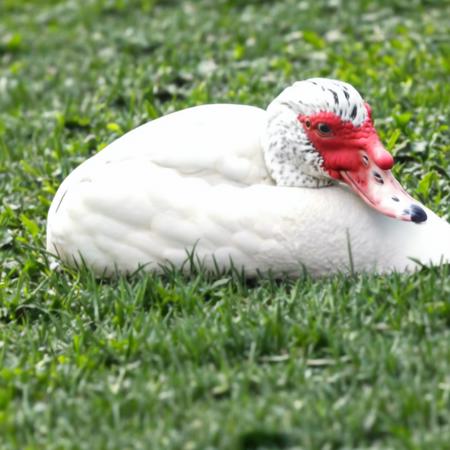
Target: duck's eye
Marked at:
324, 129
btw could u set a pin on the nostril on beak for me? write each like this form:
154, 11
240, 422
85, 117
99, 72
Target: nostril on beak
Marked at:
418, 215
378, 178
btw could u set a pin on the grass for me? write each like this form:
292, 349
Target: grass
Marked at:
203, 362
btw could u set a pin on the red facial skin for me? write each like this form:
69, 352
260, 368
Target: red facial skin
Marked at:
339, 149
355, 156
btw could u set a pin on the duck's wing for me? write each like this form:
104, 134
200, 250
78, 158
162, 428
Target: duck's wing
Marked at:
151, 172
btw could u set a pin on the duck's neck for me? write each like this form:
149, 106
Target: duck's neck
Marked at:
290, 157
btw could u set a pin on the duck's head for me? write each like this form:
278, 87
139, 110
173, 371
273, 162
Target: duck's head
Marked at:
321, 131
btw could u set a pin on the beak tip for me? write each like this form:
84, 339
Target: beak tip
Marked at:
418, 214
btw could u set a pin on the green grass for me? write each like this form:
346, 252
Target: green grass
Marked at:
205, 362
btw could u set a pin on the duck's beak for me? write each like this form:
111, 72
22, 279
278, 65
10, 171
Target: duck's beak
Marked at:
374, 183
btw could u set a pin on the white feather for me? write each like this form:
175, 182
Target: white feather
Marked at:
197, 178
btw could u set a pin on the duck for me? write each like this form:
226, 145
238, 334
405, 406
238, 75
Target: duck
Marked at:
303, 185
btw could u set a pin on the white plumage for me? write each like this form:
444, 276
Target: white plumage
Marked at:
197, 178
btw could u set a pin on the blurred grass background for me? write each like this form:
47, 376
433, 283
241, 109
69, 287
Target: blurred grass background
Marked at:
200, 362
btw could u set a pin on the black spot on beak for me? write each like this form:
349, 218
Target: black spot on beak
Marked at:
418, 215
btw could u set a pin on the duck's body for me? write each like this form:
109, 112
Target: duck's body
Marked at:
198, 179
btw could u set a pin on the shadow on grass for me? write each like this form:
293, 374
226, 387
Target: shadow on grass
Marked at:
262, 439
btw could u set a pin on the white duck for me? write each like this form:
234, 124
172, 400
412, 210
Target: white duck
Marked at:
263, 190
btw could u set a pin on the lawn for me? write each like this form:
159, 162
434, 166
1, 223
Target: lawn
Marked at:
205, 362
